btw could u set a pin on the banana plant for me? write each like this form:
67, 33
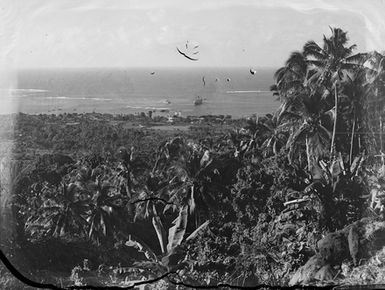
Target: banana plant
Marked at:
333, 170
170, 256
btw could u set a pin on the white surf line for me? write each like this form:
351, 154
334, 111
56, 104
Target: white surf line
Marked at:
24, 90
148, 108
75, 98
240, 92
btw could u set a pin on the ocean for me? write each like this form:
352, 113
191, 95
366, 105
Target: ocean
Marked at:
226, 91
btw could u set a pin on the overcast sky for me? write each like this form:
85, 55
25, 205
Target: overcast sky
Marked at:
126, 33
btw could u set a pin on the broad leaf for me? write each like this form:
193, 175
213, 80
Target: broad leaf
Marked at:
195, 233
160, 232
141, 247
176, 233
191, 202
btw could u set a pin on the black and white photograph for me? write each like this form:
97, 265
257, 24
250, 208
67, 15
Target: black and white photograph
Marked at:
207, 144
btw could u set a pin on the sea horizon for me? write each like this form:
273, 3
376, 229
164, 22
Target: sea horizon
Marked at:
234, 91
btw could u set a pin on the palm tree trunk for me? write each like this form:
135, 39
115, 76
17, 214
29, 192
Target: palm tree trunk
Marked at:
381, 146
335, 120
352, 139
359, 143
308, 153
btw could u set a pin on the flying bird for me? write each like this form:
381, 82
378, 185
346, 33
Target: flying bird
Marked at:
186, 56
253, 72
195, 46
228, 79
152, 73
204, 81
188, 53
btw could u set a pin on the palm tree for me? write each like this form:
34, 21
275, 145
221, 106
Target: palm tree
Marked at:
376, 68
291, 77
195, 177
291, 83
106, 212
331, 62
273, 134
309, 111
354, 95
375, 77
65, 212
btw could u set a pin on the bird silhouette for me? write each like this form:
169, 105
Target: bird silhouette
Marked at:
228, 79
253, 72
188, 53
152, 73
204, 81
186, 56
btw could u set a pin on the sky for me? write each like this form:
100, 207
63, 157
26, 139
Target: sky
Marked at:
146, 33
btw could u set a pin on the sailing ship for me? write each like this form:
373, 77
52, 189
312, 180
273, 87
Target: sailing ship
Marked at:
198, 101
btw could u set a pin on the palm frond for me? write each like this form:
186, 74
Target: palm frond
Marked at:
315, 62
297, 60
311, 48
358, 58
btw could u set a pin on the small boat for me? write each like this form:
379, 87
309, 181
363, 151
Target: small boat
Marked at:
198, 101
166, 101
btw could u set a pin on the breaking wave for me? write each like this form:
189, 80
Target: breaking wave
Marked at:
78, 98
148, 108
245, 92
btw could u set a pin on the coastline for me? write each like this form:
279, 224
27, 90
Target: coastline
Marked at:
25, 135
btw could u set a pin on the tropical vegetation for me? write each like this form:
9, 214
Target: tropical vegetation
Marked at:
249, 202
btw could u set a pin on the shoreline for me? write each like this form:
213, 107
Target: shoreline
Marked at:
29, 134
140, 116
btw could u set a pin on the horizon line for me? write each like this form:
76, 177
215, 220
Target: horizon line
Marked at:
143, 67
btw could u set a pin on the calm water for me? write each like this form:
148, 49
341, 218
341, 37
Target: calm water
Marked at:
225, 91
